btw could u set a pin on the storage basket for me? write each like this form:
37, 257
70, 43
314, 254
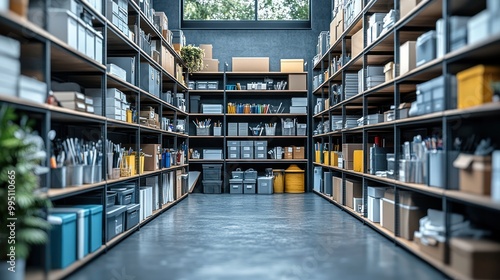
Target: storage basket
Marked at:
279, 180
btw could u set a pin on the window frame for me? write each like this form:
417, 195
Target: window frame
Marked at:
245, 24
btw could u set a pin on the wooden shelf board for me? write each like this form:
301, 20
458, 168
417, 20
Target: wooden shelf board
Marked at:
122, 179
428, 71
266, 115
121, 236
124, 86
193, 91
205, 114
119, 123
202, 73
266, 160
280, 92
206, 137
268, 137
424, 14
56, 193
205, 160
479, 200
263, 73
425, 118
493, 107
154, 215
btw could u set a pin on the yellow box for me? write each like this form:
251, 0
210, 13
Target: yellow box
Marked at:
292, 65
129, 116
474, 85
130, 164
141, 165
358, 161
317, 157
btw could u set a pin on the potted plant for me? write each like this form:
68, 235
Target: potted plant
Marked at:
21, 151
193, 56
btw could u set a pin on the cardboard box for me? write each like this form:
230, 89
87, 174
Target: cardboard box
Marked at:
434, 248
348, 151
353, 189
250, 64
297, 82
151, 163
291, 65
349, 165
289, 152
389, 71
476, 259
357, 43
475, 173
208, 50
408, 61
211, 65
333, 32
167, 60
299, 153
339, 25
177, 47
409, 213
178, 178
337, 189
405, 6
358, 161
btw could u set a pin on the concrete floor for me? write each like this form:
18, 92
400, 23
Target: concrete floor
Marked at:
256, 237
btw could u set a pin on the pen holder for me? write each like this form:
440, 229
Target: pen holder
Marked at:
74, 175
97, 173
88, 174
115, 173
130, 160
110, 165
317, 158
58, 177
203, 131
217, 131
271, 130
326, 157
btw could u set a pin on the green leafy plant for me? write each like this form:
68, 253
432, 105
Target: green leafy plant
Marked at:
21, 151
193, 56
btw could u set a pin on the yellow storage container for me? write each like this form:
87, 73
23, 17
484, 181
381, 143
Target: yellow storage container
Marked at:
474, 85
317, 157
358, 161
334, 158
326, 157
279, 180
294, 179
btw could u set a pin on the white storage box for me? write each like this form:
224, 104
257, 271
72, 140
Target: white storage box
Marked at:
9, 47
211, 108
116, 71
98, 47
426, 47
64, 25
32, 89
9, 84
212, 154
374, 209
299, 101
376, 192
478, 27
90, 42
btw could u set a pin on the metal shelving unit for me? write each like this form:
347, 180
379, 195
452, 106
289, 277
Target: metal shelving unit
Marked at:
61, 62
400, 89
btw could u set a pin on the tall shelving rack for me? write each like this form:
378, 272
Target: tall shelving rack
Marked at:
450, 122
223, 96
48, 58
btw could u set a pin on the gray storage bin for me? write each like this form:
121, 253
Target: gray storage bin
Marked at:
115, 219
125, 186
150, 79
211, 186
260, 154
265, 185
212, 171
127, 64
214, 85
249, 186
132, 216
203, 131
243, 129
237, 174
247, 149
194, 103
236, 186
212, 154
211, 108
301, 129
250, 174
426, 47
232, 129
233, 149
123, 196
201, 85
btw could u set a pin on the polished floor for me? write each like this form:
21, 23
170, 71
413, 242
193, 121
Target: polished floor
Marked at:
256, 237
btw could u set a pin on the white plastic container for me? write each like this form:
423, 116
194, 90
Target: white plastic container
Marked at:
64, 25
478, 27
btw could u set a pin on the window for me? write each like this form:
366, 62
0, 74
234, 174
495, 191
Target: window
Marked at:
246, 14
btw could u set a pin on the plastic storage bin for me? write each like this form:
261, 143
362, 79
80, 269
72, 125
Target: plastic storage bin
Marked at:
123, 196
250, 174
211, 186
249, 186
212, 171
235, 186
125, 186
374, 196
62, 239
301, 129
82, 228
233, 149
478, 27
237, 174
265, 185
247, 150
260, 149
426, 47
95, 225
132, 216
203, 131
115, 219
194, 103
212, 154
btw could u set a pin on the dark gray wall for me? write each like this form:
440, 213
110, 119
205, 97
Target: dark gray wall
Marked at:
275, 44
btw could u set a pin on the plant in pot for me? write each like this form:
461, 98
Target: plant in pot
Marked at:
21, 151
193, 56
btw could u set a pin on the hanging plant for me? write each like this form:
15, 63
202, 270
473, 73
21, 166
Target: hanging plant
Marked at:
193, 56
